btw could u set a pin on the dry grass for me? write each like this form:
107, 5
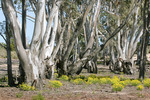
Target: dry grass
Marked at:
3, 53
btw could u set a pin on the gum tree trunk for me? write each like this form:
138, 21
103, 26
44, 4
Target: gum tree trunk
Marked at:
38, 56
9, 63
145, 38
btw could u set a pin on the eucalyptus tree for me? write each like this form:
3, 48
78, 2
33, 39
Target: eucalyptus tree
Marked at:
79, 14
5, 32
124, 45
86, 26
35, 58
145, 37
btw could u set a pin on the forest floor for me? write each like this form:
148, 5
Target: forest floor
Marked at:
71, 91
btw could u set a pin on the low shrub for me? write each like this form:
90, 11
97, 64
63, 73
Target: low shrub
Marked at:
56, 75
55, 84
117, 87
123, 83
92, 80
115, 80
64, 78
146, 82
140, 87
135, 82
104, 81
92, 76
127, 82
26, 87
78, 81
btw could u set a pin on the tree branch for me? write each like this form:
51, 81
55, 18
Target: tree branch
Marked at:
3, 37
3, 45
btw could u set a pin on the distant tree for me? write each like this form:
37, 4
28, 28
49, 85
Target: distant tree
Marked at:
145, 37
5, 32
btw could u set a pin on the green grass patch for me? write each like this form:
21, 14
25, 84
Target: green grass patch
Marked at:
38, 97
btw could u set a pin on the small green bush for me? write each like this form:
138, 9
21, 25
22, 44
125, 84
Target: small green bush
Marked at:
38, 97
127, 82
146, 82
135, 82
140, 87
55, 84
92, 80
26, 87
115, 80
123, 83
78, 81
56, 75
64, 78
104, 81
117, 87
92, 76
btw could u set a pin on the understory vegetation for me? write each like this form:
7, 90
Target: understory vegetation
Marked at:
117, 82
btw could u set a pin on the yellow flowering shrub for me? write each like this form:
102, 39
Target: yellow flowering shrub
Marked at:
26, 87
127, 82
104, 80
140, 87
92, 76
115, 80
55, 84
117, 87
78, 81
123, 83
64, 78
135, 82
93, 80
56, 75
146, 82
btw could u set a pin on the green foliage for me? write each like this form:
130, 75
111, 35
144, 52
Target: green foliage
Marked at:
80, 76
92, 76
127, 82
117, 87
14, 55
123, 83
146, 82
4, 79
12, 45
78, 81
140, 87
3, 53
26, 87
135, 82
104, 81
19, 95
55, 84
92, 80
56, 75
38, 97
64, 78
115, 79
